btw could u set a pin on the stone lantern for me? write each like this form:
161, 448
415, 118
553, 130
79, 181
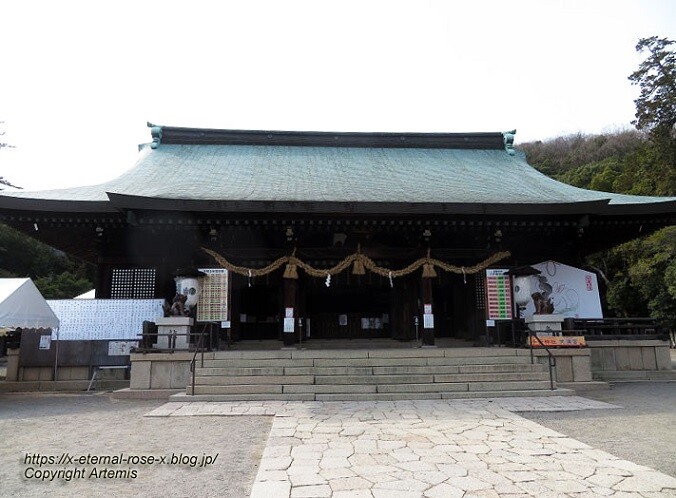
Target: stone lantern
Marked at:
188, 284
542, 322
174, 330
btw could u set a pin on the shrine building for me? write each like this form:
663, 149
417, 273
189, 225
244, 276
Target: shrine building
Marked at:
351, 235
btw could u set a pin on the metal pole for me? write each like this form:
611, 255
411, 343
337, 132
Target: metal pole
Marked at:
300, 332
416, 322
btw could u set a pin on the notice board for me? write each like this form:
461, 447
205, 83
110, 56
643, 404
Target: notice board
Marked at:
101, 319
214, 300
498, 295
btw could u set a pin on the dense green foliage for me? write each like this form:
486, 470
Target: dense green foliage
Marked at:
627, 162
55, 274
656, 105
640, 275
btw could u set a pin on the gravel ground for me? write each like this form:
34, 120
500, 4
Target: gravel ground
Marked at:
81, 424
643, 430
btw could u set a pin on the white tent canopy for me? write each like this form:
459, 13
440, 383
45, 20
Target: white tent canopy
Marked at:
91, 294
22, 305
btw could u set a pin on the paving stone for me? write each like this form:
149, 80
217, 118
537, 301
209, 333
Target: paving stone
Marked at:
272, 475
482, 493
416, 466
646, 481
353, 493
444, 491
321, 491
371, 470
431, 478
336, 473
402, 485
452, 470
431, 448
276, 463
391, 493
269, 489
350, 483
604, 480
565, 486
277, 451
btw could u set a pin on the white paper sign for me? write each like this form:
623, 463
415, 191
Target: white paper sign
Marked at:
45, 341
428, 321
288, 325
101, 319
120, 348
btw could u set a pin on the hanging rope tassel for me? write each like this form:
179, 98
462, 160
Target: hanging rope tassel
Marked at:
328, 280
390, 277
291, 271
464, 275
358, 268
429, 271
249, 278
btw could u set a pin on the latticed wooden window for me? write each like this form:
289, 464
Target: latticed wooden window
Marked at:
133, 283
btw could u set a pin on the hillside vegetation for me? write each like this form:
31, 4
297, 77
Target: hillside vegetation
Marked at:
57, 275
640, 276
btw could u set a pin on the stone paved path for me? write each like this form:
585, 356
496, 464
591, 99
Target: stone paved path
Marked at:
440, 448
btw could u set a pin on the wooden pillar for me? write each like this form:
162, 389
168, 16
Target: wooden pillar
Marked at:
428, 313
290, 301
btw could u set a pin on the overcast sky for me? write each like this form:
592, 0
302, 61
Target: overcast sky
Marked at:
80, 79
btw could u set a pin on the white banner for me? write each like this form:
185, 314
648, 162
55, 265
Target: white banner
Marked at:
574, 292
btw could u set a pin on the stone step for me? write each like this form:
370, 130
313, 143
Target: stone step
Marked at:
374, 379
330, 388
332, 362
365, 352
239, 371
253, 379
374, 388
521, 385
391, 370
255, 363
509, 385
492, 377
182, 397
423, 379
387, 362
457, 369
237, 389
328, 370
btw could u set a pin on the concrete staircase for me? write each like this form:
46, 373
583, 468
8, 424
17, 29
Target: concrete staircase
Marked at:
360, 375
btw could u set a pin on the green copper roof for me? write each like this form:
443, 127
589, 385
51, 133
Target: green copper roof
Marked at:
338, 174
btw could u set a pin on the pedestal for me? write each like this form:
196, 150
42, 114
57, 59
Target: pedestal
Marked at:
173, 332
544, 325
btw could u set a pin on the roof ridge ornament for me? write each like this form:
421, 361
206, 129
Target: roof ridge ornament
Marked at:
156, 133
508, 137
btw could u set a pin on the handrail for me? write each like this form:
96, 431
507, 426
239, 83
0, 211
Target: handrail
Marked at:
551, 357
199, 347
